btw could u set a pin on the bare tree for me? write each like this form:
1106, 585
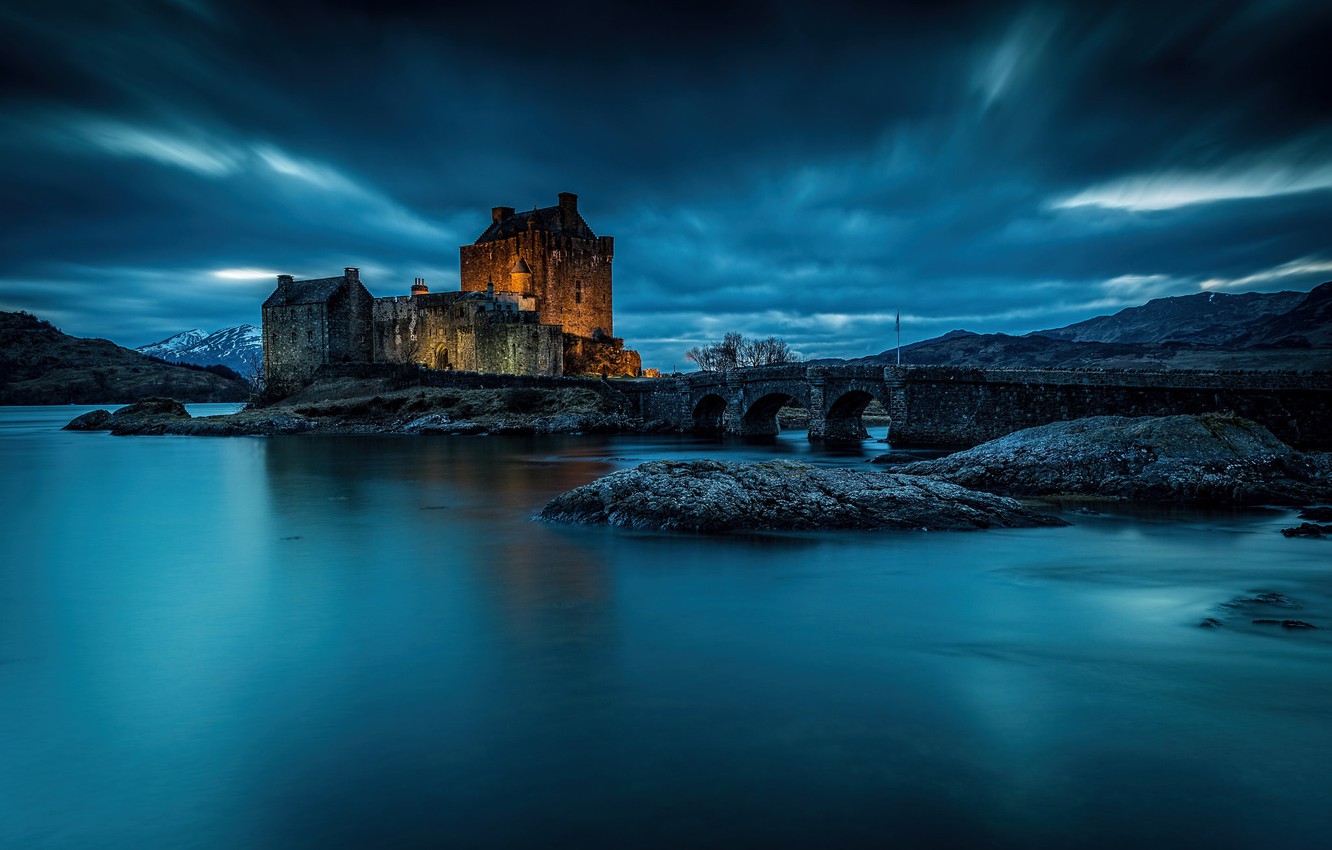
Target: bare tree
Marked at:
736, 351
252, 370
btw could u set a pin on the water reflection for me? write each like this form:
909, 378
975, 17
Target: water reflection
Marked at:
321, 641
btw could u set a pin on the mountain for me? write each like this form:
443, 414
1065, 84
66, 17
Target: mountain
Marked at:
1252, 330
1208, 318
1308, 325
964, 348
41, 365
173, 344
239, 348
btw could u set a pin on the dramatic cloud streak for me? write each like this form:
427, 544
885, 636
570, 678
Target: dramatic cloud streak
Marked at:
788, 169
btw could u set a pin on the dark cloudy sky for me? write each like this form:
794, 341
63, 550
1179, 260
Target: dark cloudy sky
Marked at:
797, 169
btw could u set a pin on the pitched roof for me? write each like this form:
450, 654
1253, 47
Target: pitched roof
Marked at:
546, 219
305, 292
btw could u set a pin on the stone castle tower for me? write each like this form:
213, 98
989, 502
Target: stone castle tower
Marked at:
550, 256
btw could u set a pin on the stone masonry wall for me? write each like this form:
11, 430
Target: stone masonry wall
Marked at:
951, 406
443, 333
349, 325
571, 277
295, 345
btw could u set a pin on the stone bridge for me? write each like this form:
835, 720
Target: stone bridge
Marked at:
954, 406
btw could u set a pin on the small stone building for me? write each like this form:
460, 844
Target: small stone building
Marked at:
307, 323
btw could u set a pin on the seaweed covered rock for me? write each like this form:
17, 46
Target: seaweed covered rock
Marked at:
717, 496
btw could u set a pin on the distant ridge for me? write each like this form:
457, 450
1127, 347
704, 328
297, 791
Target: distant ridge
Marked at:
1251, 330
1206, 318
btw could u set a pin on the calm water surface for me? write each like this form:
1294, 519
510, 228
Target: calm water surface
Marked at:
314, 642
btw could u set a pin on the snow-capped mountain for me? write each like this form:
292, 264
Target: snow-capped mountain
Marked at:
173, 344
240, 348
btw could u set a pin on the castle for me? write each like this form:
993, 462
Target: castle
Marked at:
535, 300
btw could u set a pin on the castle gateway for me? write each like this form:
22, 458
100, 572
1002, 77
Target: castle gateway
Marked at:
535, 300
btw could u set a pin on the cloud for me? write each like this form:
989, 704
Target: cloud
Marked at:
119, 139
1305, 270
243, 274
1000, 166
1173, 189
1015, 58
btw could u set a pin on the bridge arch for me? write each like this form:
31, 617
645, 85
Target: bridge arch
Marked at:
760, 418
843, 419
710, 414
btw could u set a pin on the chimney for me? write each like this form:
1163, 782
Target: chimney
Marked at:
352, 274
419, 287
284, 283
498, 214
568, 211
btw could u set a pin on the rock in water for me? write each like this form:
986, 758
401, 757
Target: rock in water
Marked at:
146, 416
716, 496
93, 420
1207, 458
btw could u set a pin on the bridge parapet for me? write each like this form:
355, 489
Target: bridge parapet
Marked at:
958, 406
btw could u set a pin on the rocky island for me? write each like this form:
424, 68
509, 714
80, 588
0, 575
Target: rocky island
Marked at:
1205, 458
718, 496
381, 406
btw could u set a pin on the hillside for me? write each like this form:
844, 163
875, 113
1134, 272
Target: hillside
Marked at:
1206, 318
41, 365
963, 348
1308, 325
1252, 330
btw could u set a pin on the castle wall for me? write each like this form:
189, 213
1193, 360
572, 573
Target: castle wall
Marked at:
444, 333
295, 345
571, 277
513, 348
349, 316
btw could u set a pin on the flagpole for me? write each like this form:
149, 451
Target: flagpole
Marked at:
899, 337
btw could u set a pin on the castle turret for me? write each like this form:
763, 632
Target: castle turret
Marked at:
520, 277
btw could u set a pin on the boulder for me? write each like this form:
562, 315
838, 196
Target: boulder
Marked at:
93, 420
718, 496
1206, 458
146, 416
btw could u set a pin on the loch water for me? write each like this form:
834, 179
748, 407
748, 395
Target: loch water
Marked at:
326, 642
